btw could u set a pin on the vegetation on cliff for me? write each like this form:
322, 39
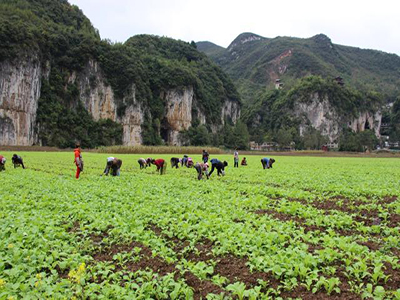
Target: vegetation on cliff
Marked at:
271, 117
59, 33
255, 63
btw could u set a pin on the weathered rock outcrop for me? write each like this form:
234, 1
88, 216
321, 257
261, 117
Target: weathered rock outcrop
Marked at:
321, 115
230, 110
367, 120
99, 99
178, 106
20, 85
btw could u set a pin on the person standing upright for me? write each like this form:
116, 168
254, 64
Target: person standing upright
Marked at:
78, 160
205, 156
236, 159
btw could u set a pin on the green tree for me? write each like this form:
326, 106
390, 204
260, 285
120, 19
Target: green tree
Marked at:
241, 136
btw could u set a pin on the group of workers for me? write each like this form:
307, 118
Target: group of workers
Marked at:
114, 164
16, 160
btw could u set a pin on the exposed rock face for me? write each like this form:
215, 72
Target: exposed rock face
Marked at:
230, 110
20, 84
20, 91
97, 97
178, 106
320, 115
132, 120
367, 120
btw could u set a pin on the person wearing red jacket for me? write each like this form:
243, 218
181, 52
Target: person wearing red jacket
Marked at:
160, 164
78, 160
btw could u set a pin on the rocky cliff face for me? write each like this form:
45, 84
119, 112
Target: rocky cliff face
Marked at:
99, 99
321, 115
20, 85
179, 104
230, 110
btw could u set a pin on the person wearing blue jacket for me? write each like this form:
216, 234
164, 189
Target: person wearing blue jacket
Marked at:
267, 162
219, 165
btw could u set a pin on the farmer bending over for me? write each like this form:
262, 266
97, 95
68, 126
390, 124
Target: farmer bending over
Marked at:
160, 164
148, 161
201, 168
220, 166
17, 161
244, 162
267, 162
2, 163
184, 160
175, 162
113, 164
142, 163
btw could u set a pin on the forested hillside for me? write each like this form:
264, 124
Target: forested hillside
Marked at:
370, 85
63, 41
255, 62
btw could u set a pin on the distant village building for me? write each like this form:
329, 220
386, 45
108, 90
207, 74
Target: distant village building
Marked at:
278, 84
271, 146
266, 146
339, 80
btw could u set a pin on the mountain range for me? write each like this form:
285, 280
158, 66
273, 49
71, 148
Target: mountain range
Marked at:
255, 62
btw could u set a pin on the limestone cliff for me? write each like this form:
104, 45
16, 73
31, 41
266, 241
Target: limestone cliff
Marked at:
321, 115
99, 99
20, 85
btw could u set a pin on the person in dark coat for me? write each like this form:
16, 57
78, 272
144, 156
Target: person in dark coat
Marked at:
205, 156
267, 162
17, 161
175, 162
219, 165
114, 164
184, 160
244, 162
148, 161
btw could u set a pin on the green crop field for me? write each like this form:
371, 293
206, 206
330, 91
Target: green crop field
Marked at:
312, 228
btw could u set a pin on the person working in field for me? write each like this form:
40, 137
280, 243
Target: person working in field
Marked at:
175, 162
114, 164
219, 165
236, 159
244, 162
142, 163
160, 164
205, 156
201, 168
78, 160
267, 162
148, 161
184, 160
17, 161
189, 162
2, 163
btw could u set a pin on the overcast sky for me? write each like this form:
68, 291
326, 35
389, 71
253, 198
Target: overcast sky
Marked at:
365, 24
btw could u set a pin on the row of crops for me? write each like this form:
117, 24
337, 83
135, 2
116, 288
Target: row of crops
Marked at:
310, 228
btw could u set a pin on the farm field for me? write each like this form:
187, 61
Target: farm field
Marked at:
310, 228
